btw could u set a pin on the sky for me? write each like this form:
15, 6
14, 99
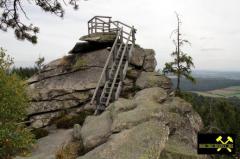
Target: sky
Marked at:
212, 26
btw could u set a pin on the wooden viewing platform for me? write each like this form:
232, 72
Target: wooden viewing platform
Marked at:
113, 72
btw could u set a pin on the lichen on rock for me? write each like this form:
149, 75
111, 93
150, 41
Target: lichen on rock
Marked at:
143, 126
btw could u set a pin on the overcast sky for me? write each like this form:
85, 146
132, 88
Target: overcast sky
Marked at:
212, 26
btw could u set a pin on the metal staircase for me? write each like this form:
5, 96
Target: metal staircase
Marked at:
115, 68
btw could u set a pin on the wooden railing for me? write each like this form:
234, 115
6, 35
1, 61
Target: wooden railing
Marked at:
125, 39
104, 24
104, 72
118, 72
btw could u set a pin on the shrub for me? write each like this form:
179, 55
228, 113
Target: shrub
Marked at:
24, 72
68, 121
218, 114
70, 151
13, 101
66, 60
39, 133
14, 137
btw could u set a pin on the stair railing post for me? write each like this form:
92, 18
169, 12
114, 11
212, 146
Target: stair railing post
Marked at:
95, 25
103, 27
103, 72
91, 27
114, 54
98, 97
106, 75
133, 35
109, 24
121, 74
121, 35
88, 29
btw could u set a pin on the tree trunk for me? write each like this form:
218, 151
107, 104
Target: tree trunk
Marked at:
178, 83
178, 57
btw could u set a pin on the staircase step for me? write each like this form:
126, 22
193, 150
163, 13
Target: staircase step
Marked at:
103, 100
101, 106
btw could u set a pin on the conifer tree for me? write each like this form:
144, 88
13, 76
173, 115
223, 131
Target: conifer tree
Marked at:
182, 63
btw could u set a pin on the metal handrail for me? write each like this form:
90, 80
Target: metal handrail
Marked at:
105, 67
117, 72
99, 17
114, 27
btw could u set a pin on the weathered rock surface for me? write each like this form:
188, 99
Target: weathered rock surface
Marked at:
47, 147
145, 125
85, 47
77, 132
69, 82
107, 37
153, 79
96, 130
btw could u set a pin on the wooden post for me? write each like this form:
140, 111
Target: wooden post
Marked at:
133, 35
95, 25
114, 54
107, 74
98, 97
109, 23
91, 27
88, 29
121, 36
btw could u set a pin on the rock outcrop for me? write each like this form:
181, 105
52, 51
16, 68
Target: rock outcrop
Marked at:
145, 122
47, 147
143, 126
67, 84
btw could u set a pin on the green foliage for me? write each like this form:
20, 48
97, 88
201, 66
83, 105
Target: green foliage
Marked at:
39, 133
182, 63
13, 103
5, 60
80, 63
68, 121
14, 139
13, 11
39, 63
24, 73
70, 151
218, 114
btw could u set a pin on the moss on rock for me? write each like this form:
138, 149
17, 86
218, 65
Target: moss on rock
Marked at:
68, 121
39, 133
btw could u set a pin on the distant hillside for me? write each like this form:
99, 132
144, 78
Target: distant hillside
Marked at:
228, 92
206, 84
217, 74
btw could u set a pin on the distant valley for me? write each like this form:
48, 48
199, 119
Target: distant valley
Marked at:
213, 84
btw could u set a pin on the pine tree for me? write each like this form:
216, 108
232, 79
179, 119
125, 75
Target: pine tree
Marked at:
14, 137
182, 63
11, 12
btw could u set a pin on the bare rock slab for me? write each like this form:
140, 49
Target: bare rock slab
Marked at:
47, 147
153, 79
134, 143
96, 130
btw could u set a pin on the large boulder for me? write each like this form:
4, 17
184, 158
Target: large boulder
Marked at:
147, 126
96, 130
135, 143
150, 62
144, 58
153, 79
68, 83
47, 147
64, 84
107, 37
